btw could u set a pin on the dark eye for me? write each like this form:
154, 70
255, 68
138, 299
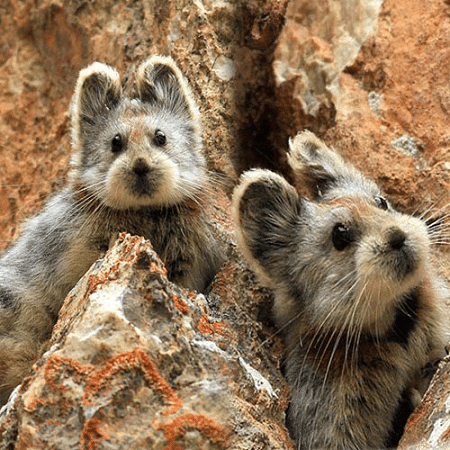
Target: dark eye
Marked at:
381, 203
117, 143
159, 138
342, 236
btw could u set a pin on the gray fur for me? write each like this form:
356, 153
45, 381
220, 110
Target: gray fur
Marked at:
355, 297
144, 185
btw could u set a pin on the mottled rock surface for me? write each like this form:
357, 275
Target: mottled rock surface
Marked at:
429, 426
371, 78
136, 362
319, 41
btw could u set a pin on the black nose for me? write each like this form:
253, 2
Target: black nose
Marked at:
141, 168
396, 239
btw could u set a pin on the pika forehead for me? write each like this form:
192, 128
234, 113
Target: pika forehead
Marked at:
357, 206
137, 127
135, 120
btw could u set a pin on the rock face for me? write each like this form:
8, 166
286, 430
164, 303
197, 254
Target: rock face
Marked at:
428, 427
319, 41
134, 361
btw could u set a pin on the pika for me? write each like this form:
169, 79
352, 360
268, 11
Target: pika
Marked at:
356, 298
138, 167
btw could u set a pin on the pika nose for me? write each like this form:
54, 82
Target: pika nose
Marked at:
396, 239
140, 167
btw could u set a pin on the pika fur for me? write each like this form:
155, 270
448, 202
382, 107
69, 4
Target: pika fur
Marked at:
139, 168
356, 298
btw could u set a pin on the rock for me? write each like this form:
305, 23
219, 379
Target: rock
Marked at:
429, 425
317, 43
135, 362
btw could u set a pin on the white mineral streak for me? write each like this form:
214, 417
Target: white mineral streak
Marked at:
441, 426
211, 346
110, 298
259, 381
5, 409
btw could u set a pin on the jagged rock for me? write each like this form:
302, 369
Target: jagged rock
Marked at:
387, 110
136, 362
319, 40
428, 427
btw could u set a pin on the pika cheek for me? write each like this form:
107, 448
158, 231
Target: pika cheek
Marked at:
117, 192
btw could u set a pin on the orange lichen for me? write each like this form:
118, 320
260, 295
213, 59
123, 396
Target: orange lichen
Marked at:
53, 367
192, 295
92, 284
210, 328
91, 435
178, 427
121, 237
62, 408
156, 268
52, 370
138, 359
180, 304
134, 247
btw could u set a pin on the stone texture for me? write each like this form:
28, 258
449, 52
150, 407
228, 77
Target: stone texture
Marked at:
319, 41
429, 426
370, 79
135, 362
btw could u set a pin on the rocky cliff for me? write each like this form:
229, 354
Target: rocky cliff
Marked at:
134, 361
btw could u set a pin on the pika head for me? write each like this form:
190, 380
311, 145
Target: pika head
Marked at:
135, 152
341, 256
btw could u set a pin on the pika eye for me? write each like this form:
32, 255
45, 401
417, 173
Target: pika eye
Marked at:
342, 236
381, 203
117, 143
159, 138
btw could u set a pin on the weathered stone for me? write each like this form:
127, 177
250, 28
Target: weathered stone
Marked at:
319, 40
429, 425
135, 362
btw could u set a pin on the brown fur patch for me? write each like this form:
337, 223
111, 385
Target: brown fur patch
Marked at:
357, 206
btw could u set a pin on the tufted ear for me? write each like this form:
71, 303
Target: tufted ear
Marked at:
267, 216
97, 91
160, 81
321, 169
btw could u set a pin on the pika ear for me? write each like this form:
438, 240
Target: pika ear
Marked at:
267, 215
97, 91
320, 168
160, 81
